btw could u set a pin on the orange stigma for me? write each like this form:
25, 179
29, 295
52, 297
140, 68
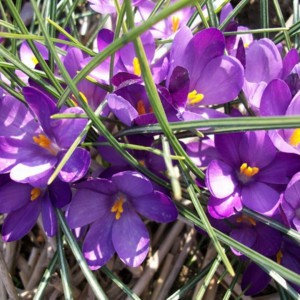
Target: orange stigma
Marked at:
140, 106
35, 193
175, 23
136, 67
118, 207
279, 256
42, 141
194, 97
248, 171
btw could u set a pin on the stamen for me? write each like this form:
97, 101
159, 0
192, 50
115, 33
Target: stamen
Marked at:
295, 138
118, 207
45, 143
194, 97
136, 67
34, 60
248, 171
140, 106
244, 218
279, 256
75, 102
35, 193
175, 23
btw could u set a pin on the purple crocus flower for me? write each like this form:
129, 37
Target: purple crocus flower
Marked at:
263, 64
108, 6
24, 203
111, 207
246, 174
32, 144
200, 74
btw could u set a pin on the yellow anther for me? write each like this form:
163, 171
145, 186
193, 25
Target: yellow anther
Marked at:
244, 219
140, 106
118, 207
295, 138
175, 23
34, 60
75, 102
248, 171
136, 67
246, 45
279, 256
194, 97
45, 143
35, 193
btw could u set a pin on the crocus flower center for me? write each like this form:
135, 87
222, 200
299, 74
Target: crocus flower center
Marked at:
45, 143
279, 256
175, 23
246, 219
295, 138
35, 193
194, 97
136, 67
118, 206
247, 170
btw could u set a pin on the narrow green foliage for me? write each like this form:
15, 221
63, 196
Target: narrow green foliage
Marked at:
264, 16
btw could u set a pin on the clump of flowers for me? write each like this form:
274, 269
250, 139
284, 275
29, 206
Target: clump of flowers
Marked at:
94, 148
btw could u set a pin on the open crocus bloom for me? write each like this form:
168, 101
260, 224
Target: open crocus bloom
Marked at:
111, 207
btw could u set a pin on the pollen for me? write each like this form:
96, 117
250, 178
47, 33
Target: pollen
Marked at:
279, 256
244, 219
175, 23
248, 171
44, 142
118, 207
136, 67
295, 138
194, 97
35, 193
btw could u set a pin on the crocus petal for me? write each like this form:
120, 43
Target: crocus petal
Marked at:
263, 61
179, 86
132, 183
122, 109
100, 185
60, 193
18, 223
256, 149
260, 198
42, 106
244, 235
202, 48
76, 166
294, 107
220, 179
279, 142
67, 130
130, 238
224, 208
292, 192
97, 246
275, 99
86, 207
72, 61
14, 195
48, 216
220, 81
15, 118
290, 60
256, 278
36, 172
156, 206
